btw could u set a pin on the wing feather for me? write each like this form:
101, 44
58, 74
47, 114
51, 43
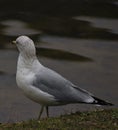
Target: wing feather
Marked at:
63, 90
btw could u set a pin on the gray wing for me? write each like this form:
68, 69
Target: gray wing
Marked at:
63, 90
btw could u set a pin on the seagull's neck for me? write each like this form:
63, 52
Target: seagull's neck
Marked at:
27, 61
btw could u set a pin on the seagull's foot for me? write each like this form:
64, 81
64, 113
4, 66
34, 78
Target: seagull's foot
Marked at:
47, 111
42, 108
41, 111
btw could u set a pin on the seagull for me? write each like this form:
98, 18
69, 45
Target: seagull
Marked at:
45, 86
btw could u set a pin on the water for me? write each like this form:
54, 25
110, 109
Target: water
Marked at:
82, 48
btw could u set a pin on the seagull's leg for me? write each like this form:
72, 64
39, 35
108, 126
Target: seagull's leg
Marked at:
47, 112
42, 107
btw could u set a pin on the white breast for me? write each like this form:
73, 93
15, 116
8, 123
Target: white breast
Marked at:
24, 79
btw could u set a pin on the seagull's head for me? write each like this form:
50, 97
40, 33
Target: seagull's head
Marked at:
25, 45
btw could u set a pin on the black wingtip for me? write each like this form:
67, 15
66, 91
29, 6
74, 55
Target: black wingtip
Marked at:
101, 102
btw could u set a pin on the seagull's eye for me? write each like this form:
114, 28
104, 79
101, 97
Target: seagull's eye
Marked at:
16, 42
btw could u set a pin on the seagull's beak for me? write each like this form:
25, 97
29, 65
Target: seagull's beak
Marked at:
13, 42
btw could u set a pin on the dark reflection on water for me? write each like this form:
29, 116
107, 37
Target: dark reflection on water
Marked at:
61, 55
2, 72
67, 32
70, 27
106, 8
57, 18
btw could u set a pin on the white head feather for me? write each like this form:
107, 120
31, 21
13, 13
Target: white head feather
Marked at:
25, 46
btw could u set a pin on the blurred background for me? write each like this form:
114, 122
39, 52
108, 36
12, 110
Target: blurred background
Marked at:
76, 38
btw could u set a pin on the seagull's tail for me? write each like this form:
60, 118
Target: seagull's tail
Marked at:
98, 101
